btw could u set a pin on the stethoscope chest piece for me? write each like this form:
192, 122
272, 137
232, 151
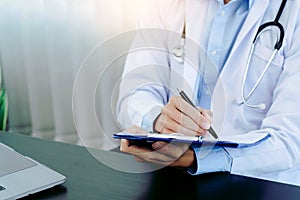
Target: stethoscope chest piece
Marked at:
179, 50
178, 53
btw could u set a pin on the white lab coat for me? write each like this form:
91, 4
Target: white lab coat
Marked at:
141, 91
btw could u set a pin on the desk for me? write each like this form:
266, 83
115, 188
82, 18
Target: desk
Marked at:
89, 179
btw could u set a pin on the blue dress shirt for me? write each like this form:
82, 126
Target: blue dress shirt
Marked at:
223, 22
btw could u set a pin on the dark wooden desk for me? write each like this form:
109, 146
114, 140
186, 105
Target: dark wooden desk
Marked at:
87, 178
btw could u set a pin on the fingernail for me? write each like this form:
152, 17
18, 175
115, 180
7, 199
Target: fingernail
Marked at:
205, 125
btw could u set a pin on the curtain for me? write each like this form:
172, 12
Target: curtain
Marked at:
42, 46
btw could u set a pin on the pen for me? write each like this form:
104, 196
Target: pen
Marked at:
186, 98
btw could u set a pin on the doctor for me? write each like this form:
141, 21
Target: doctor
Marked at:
248, 77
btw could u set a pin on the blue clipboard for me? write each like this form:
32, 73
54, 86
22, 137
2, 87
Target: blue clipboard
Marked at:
236, 141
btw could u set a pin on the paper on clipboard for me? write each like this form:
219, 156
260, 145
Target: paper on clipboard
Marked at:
235, 141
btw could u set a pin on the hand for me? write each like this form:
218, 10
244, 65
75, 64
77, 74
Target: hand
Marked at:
179, 155
179, 116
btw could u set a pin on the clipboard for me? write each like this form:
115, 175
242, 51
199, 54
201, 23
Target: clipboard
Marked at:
234, 141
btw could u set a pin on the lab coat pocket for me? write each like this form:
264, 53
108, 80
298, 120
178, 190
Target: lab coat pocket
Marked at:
263, 94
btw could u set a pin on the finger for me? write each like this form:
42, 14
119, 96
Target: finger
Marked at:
138, 150
127, 147
190, 111
164, 156
124, 144
182, 105
138, 159
208, 114
143, 154
168, 125
160, 123
158, 145
182, 128
185, 160
156, 157
177, 121
156, 128
162, 127
159, 162
168, 131
168, 128
170, 149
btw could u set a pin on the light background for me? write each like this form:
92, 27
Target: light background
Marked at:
42, 44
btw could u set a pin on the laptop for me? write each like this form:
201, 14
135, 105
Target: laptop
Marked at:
21, 176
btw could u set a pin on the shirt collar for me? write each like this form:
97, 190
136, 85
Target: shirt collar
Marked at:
249, 2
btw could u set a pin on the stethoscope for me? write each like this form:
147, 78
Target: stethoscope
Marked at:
179, 54
277, 46
179, 50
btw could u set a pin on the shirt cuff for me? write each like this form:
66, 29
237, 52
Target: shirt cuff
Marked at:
148, 119
211, 159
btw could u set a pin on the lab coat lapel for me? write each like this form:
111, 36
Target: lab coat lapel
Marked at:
194, 21
236, 62
194, 32
252, 20
228, 87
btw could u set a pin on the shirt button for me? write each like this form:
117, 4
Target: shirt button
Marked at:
223, 13
213, 52
207, 92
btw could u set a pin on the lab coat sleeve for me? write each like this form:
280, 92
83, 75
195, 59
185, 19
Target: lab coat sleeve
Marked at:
281, 151
278, 153
144, 87
278, 157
